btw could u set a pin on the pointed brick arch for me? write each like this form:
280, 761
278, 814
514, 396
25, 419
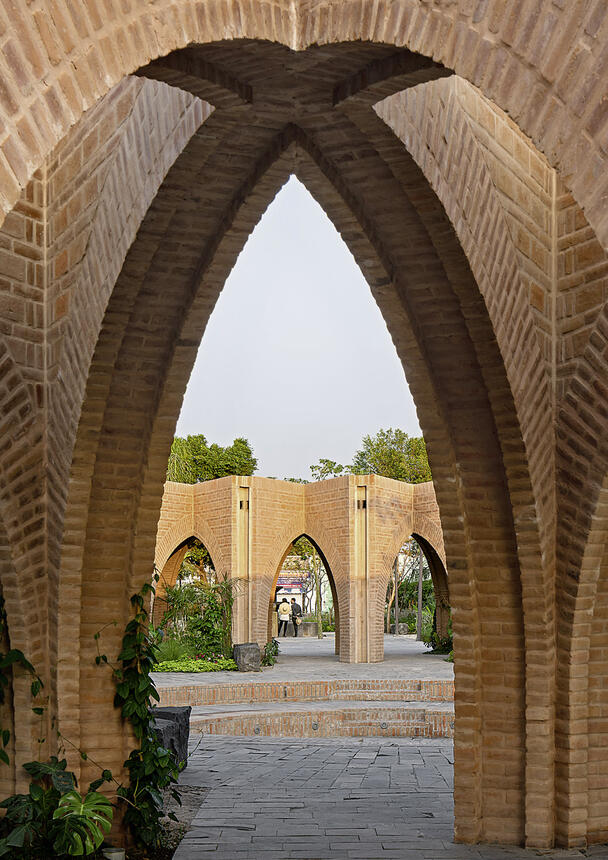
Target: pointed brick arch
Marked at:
432, 292
337, 584
69, 65
185, 528
412, 282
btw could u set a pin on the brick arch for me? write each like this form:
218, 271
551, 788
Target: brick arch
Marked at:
22, 562
323, 542
426, 528
174, 336
430, 538
16, 711
181, 531
417, 525
441, 585
433, 124
534, 76
135, 164
326, 548
581, 627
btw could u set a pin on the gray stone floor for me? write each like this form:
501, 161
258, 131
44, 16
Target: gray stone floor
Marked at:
341, 799
314, 659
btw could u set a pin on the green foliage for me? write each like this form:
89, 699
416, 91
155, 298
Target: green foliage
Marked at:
191, 665
83, 822
173, 648
408, 594
270, 653
197, 560
9, 661
303, 548
328, 469
439, 644
327, 620
54, 819
202, 613
329, 623
151, 767
394, 454
192, 460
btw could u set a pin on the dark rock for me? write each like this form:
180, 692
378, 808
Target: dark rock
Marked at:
247, 657
172, 727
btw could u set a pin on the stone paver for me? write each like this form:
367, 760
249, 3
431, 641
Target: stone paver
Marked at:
314, 659
341, 799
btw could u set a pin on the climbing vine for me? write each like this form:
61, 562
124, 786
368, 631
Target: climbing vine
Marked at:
53, 819
151, 767
8, 661
54, 816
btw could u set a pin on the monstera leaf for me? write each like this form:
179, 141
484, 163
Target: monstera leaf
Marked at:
81, 822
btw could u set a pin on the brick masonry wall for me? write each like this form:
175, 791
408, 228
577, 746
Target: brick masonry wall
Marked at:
341, 722
312, 691
278, 513
518, 448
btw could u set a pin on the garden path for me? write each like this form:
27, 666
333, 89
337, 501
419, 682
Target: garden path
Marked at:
308, 659
340, 799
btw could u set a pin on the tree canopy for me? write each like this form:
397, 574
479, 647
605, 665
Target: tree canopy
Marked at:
328, 469
192, 460
393, 454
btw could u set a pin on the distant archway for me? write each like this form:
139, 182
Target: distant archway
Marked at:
330, 578
439, 577
190, 559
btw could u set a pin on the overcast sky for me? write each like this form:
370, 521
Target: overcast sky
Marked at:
296, 356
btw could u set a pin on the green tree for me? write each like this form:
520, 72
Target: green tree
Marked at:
197, 561
192, 460
328, 469
393, 454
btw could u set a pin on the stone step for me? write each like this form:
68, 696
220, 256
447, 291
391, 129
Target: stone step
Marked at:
344, 689
327, 719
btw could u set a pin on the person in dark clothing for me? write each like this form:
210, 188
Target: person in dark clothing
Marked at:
296, 615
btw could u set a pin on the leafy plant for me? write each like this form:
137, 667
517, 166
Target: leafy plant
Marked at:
173, 648
151, 767
222, 665
82, 822
53, 819
439, 644
202, 613
9, 660
270, 653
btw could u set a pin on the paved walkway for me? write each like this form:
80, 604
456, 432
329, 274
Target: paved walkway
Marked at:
305, 659
368, 799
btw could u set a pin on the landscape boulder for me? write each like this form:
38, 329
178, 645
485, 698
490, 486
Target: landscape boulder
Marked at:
247, 657
172, 728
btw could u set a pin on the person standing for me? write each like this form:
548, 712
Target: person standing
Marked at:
296, 616
284, 613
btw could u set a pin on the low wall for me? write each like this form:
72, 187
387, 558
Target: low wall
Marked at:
389, 690
396, 722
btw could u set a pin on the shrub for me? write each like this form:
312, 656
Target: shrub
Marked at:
53, 819
271, 650
200, 613
438, 644
173, 648
222, 665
